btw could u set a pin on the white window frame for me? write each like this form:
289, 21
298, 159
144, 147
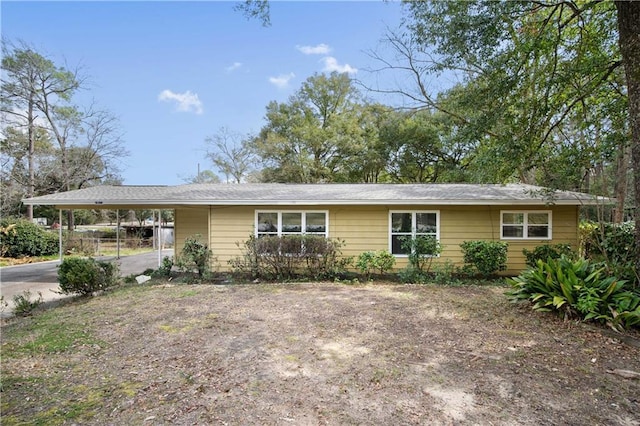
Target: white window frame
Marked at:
414, 232
303, 214
525, 224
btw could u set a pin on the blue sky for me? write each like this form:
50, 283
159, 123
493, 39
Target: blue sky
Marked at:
176, 72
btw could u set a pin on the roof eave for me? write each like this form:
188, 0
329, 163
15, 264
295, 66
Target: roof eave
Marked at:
84, 204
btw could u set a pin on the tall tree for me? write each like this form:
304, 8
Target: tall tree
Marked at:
629, 40
528, 69
204, 176
87, 143
28, 79
309, 138
231, 154
21, 170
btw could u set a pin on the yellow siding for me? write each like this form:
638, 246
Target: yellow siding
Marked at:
366, 228
190, 222
230, 225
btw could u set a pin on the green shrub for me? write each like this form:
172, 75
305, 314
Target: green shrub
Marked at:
20, 238
380, 261
487, 257
548, 251
412, 275
23, 305
165, 269
290, 257
85, 276
612, 245
577, 289
195, 255
422, 250
445, 273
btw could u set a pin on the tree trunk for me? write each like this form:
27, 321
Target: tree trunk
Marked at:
31, 166
622, 184
629, 41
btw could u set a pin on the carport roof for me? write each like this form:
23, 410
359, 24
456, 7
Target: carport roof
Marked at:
311, 194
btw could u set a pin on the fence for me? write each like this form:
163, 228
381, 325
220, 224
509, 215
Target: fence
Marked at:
94, 246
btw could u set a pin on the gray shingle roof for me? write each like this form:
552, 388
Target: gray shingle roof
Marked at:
312, 194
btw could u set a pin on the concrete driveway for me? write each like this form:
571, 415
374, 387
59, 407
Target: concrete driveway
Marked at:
43, 277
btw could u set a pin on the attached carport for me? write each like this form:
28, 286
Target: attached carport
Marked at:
111, 198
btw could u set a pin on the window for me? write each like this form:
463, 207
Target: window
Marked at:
280, 223
410, 225
533, 225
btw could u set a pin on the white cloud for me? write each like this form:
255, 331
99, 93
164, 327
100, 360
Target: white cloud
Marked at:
185, 102
282, 80
234, 67
331, 64
321, 49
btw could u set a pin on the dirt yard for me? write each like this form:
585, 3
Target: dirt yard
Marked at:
313, 354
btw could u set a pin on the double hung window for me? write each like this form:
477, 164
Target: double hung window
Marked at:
282, 223
412, 224
525, 225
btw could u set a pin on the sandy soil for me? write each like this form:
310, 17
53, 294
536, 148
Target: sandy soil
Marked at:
319, 354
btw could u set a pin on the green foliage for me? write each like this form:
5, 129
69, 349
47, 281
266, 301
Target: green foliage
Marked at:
446, 273
422, 250
577, 289
381, 261
413, 276
318, 134
165, 269
20, 238
3, 304
24, 305
613, 246
290, 257
195, 255
548, 251
487, 257
537, 75
84, 276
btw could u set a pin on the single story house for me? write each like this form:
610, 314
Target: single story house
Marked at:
366, 216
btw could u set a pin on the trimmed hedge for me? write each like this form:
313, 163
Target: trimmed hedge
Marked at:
21, 238
85, 276
487, 257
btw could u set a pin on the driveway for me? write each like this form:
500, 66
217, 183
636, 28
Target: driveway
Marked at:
43, 277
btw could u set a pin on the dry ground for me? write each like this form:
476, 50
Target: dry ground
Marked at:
312, 354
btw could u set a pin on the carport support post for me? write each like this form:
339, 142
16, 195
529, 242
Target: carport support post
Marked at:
60, 233
158, 240
117, 233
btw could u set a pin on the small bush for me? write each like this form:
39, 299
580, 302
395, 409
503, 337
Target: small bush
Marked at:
422, 250
412, 275
487, 257
3, 304
548, 251
20, 238
578, 289
380, 261
195, 255
290, 257
445, 273
23, 305
613, 247
85, 276
165, 269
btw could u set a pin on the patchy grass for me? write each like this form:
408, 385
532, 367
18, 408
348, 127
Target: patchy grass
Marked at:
321, 353
11, 261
